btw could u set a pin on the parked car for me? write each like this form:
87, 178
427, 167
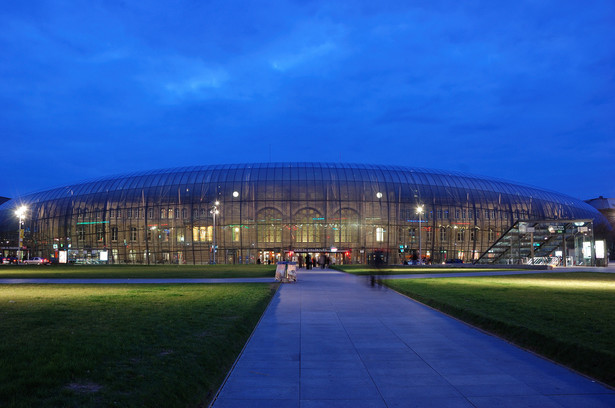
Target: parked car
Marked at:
454, 261
8, 260
37, 261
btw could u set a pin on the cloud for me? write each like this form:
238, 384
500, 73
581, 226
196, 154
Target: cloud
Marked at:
308, 55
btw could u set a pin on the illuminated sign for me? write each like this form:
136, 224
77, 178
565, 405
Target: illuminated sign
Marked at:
103, 255
63, 257
600, 249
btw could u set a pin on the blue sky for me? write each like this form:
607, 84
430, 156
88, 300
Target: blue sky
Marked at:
518, 90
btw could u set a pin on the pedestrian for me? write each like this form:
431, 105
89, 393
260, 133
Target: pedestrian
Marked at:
308, 261
300, 261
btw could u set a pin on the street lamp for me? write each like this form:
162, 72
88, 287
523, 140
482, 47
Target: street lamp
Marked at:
419, 211
215, 211
21, 213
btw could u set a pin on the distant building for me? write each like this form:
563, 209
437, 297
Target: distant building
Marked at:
352, 213
607, 207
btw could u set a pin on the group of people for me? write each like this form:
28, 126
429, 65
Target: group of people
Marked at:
312, 261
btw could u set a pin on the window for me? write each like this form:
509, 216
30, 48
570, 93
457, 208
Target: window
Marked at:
309, 226
170, 213
184, 213
439, 214
472, 235
119, 213
133, 234
80, 232
460, 235
457, 213
202, 234
235, 234
163, 213
269, 226
346, 227
129, 213
379, 234
150, 213
491, 235
100, 233
195, 213
442, 234
112, 213
114, 234
412, 234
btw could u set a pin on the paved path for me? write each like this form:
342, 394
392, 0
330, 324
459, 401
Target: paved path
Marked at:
331, 340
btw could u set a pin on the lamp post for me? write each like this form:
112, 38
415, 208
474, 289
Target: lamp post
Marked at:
214, 211
20, 212
419, 211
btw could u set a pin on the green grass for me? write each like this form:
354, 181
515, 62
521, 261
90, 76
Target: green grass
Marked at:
137, 271
568, 317
125, 345
408, 270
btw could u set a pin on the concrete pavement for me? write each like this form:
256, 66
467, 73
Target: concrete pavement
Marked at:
332, 340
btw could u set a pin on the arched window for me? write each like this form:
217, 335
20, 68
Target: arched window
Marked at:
269, 225
346, 226
309, 225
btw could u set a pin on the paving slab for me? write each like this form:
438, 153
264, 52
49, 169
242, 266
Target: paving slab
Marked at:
333, 340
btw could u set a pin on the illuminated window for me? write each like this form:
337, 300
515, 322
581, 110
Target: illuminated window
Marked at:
235, 234
203, 234
379, 234
269, 225
170, 213
346, 228
309, 225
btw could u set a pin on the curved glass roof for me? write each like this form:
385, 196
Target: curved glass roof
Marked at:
424, 181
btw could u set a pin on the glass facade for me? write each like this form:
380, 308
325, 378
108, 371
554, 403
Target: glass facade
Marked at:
275, 211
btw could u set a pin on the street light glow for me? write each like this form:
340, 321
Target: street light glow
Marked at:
419, 209
21, 211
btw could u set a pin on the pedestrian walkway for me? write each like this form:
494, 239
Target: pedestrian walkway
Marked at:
331, 340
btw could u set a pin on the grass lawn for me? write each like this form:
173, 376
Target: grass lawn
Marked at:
568, 317
137, 271
407, 270
122, 345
